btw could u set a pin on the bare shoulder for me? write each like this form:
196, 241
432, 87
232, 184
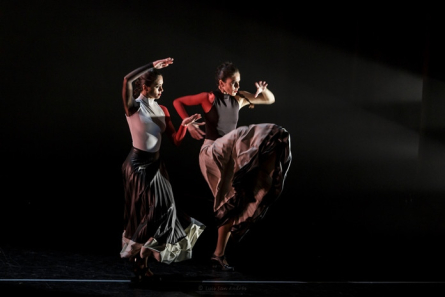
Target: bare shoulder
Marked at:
244, 94
243, 98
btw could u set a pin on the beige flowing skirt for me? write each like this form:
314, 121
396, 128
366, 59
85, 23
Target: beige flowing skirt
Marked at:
245, 170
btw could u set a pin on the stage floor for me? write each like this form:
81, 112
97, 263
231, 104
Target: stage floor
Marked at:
60, 272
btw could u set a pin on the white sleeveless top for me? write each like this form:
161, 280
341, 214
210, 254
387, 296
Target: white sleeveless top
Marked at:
147, 125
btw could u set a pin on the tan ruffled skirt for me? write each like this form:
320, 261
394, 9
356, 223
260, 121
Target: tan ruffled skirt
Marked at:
245, 170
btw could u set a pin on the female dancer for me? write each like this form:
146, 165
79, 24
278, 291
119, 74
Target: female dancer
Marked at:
152, 226
245, 167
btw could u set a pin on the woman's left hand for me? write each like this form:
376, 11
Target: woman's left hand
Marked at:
260, 86
162, 63
191, 119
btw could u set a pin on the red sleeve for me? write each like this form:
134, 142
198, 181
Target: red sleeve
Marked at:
165, 110
204, 99
175, 136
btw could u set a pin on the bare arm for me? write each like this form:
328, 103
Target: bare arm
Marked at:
127, 87
262, 96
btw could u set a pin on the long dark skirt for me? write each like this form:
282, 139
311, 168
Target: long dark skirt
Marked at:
152, 225
245, 170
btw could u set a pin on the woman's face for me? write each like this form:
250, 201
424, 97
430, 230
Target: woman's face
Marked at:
231, 85
155, 90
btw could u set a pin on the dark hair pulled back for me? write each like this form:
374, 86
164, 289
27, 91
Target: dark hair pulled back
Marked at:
148, 78
224, 71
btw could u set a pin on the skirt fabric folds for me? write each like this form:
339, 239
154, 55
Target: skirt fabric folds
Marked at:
152, 224
245, 170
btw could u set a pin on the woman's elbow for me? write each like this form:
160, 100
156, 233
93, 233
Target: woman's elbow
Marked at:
269, 99
176, 103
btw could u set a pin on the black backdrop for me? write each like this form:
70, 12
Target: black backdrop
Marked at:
360, 91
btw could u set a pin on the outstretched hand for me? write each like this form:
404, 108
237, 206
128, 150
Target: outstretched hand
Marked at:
162, 63
191, 119
260, 86
193, 126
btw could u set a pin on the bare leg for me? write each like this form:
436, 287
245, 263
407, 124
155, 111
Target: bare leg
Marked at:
223, 238
218, 258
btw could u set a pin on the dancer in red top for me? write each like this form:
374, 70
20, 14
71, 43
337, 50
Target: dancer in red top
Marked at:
152, 225
245, 167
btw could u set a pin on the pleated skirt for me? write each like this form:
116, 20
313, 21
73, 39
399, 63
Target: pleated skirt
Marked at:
246, 170
152, 224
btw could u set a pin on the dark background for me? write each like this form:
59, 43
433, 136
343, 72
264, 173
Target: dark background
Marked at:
360, 89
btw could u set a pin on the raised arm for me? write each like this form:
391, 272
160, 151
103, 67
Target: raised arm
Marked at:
262, 96
127, 86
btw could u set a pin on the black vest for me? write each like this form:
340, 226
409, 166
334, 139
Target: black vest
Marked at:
222, 117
